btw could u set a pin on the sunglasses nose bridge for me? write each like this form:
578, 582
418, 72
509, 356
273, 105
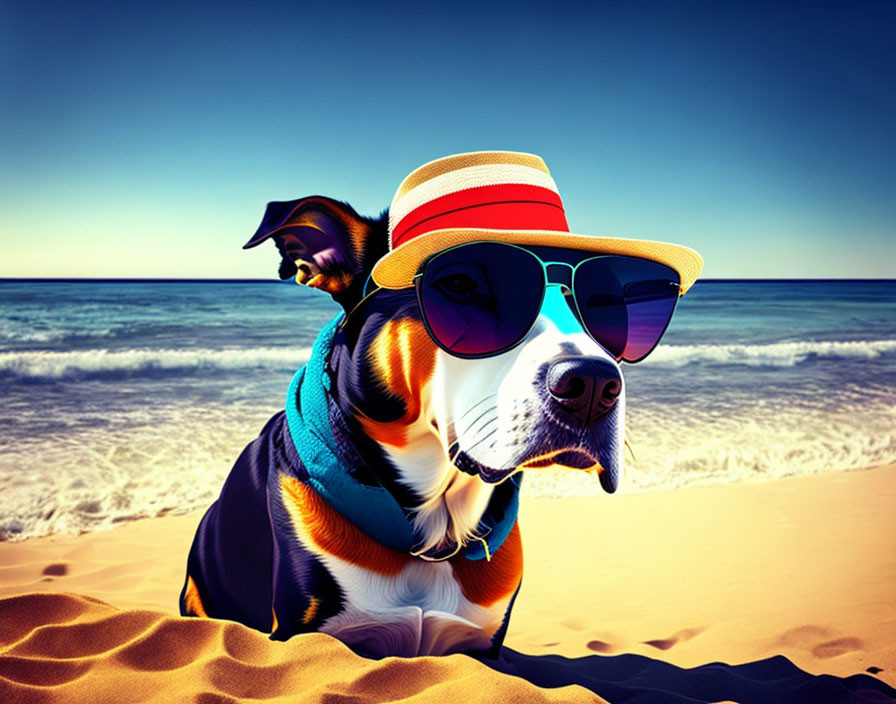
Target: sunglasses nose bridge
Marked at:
556, 308
558, 273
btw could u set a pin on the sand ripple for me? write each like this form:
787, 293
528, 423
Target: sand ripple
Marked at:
67, 648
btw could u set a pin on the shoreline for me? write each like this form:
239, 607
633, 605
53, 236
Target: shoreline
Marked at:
553, 484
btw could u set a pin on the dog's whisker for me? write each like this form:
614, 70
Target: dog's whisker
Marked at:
473, 407
478, 418
475, 434
629, 446
481, 440
487, 422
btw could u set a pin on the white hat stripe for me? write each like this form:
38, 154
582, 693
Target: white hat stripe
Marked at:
462, 179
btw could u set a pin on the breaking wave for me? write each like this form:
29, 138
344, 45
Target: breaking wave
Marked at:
778, 354
45, 365
51, 365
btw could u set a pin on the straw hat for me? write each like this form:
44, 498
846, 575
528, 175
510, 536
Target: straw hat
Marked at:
498, 197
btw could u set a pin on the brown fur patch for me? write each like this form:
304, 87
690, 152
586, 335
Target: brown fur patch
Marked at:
333, 284
326, 528
485, 582
311, 611
192, 600
403, 358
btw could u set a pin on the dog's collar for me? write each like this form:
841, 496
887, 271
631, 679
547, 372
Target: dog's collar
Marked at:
372, 508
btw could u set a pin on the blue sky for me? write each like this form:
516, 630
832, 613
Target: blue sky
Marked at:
145, 140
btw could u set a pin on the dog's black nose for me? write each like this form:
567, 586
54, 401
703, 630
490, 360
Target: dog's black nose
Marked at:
586, 387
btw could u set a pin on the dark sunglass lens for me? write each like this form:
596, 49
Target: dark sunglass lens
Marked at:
626, 303
481, 298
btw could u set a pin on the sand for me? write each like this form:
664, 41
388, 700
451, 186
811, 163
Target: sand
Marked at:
615, 587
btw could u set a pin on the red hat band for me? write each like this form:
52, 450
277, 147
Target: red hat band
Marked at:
509, 206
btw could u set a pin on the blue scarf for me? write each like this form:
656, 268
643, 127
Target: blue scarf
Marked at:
373, 509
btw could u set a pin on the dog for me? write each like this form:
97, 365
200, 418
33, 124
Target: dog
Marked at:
381, 506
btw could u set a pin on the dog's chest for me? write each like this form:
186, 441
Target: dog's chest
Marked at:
421, 610
392, 603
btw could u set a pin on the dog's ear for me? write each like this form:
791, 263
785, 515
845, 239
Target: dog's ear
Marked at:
325, 244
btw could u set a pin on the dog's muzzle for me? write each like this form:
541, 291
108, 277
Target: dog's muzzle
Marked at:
569, 422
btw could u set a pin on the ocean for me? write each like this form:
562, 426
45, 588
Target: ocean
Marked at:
128, 399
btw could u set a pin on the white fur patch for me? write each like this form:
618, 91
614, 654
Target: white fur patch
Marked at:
420, 611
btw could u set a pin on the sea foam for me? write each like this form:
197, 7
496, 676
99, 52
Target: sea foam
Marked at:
779, 354
80, 363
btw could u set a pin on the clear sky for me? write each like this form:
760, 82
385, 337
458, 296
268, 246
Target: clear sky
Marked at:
145, 140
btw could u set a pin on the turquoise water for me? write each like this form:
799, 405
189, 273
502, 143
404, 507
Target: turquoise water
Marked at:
127, 399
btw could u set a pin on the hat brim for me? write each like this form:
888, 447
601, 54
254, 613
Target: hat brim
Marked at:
398, 268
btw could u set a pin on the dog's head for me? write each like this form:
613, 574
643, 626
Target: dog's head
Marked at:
442, 432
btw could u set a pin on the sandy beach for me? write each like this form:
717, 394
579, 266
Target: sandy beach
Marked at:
803, 568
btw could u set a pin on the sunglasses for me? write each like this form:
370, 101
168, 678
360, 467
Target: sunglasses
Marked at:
481, 299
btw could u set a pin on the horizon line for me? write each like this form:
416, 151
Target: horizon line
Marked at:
165, 280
